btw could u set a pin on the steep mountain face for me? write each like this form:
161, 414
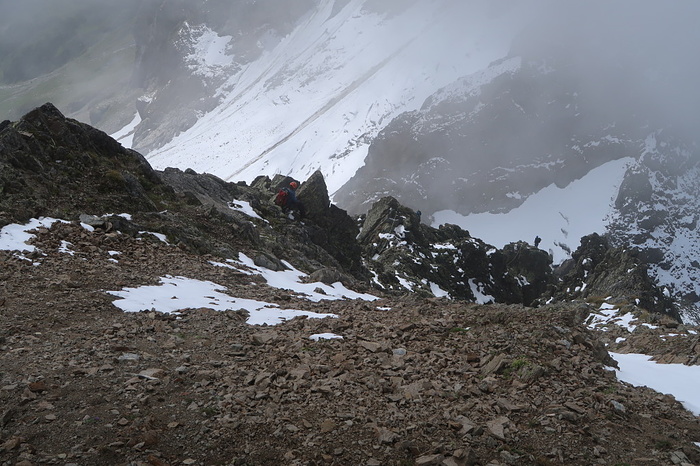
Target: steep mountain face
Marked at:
477, 147
311, 91
168, 35
185, 51
488, 141
657, 212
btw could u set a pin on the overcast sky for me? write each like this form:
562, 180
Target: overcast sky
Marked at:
653, 44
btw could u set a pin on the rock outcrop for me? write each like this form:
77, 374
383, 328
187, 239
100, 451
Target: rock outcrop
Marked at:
405, 255
54, 166
598, 270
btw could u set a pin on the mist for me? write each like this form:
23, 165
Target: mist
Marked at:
627, 56
39, 36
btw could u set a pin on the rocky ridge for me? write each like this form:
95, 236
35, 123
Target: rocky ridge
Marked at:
415, 379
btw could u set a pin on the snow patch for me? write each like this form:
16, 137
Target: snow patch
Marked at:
125, 136
679, 380
244, 207
16, 237
208, 56
325, 336
479, 294
175, 294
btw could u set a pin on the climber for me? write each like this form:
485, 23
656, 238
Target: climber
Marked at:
293, 203
537, 241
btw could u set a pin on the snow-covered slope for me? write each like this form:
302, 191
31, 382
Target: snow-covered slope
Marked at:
560, 216
316, 98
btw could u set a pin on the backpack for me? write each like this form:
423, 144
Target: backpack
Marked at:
281, 197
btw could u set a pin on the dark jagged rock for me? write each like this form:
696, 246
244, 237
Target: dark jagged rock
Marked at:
406, 255
278, 182
269, 262
599, 271
206, 190
531, 266
330, 226
314, 194
54, 166
330, 276
262, 182
385, 216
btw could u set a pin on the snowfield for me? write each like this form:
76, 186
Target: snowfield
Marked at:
560, 216
317, 97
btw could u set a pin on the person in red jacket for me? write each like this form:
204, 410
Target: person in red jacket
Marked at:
293, 202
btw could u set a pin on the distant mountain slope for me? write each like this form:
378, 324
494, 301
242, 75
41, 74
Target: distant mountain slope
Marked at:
78, 55
316, 96
566, 100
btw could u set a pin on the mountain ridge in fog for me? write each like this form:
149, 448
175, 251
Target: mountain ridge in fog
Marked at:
352, 87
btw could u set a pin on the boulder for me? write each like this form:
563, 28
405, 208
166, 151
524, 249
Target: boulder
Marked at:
532, 267
314, 194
